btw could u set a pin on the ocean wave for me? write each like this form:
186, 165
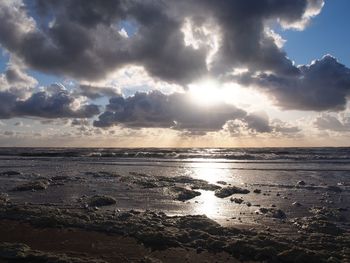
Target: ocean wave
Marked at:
262, 154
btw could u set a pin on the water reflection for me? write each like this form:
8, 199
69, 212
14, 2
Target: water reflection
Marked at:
207, 204
211, 171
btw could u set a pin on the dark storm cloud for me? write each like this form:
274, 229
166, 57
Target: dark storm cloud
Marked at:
258, 122
244, 41
177, 111
94, 92
323, 85
44, 104
80, 38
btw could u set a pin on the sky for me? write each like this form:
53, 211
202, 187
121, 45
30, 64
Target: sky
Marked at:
200, 73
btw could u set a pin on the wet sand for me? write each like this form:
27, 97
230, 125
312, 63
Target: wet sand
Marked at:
138, 213
93, 245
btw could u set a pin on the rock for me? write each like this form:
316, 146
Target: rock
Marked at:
183, 194
257, 191
296, 204
278, 213
301, 183
101, 200
236, 200
272, 212
35, 185
230, 190
221, 182
249, 204
149, 181
60, 178
263, 210
4, 198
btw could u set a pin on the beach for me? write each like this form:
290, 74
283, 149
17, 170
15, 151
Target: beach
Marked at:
175, 205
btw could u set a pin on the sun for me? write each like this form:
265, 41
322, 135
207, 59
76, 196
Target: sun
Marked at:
206, 92
210, 92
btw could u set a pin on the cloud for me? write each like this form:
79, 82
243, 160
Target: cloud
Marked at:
81, 39
178, 111
157, 110
17, 81
322, 85
49, 103
284, 128
95, 92
259, 123
332, 123
80, 122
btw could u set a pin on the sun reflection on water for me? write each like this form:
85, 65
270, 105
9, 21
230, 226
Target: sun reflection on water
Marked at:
208, 204
211, 171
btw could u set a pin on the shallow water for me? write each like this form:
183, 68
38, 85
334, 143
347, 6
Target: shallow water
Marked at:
275, 172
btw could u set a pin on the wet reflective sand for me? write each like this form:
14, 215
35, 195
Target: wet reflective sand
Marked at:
283, 197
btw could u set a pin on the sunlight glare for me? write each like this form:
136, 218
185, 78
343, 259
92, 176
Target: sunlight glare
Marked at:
210, 92
206, 92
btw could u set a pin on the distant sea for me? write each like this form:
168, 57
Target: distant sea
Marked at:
259, 154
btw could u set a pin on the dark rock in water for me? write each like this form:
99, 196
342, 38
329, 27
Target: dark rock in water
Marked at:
101, 200
334, 189
60, 178
221, 182
35, 185
192, 182
301, 183
257, 191
227, 191
4, 198
278, 213
149, 181
10, 173
327, 213
272, 212
183, 194
320, 223
296, 204
236, 200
